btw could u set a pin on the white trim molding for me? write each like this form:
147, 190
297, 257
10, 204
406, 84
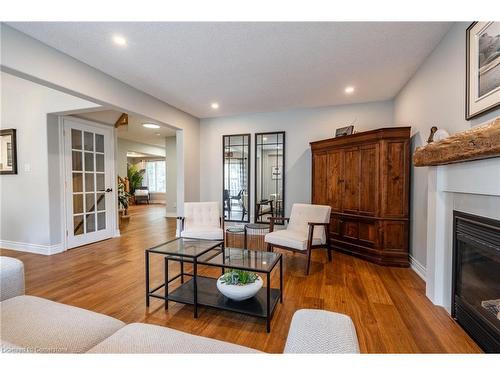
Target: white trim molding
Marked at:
32, 248
417, 267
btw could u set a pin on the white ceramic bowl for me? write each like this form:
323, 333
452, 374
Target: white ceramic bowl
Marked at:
240, 292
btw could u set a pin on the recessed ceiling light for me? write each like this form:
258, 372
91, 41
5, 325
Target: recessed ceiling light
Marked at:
157, 133
151, 126
214, 105
349, 90
120, 40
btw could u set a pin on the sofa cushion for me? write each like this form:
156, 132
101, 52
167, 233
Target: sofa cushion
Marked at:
148, 338
41, 325
204, 233
320, 331
11, 278
290, 238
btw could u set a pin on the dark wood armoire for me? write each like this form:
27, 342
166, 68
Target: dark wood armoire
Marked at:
365, 178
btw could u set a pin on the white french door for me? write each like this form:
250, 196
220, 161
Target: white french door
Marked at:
89, 182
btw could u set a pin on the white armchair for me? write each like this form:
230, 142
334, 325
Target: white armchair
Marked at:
202, 220
307, 229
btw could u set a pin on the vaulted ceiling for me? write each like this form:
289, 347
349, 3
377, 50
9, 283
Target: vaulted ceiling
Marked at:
250, 67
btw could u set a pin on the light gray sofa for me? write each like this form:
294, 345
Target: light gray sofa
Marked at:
36, 325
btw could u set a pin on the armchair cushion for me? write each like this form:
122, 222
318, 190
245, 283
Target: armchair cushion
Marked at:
201, 214
141, 192
290, 238
204, 233
302, 214
202, 220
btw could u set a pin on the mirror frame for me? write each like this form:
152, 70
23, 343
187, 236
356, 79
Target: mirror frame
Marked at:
255, 171
12, 133
248, 177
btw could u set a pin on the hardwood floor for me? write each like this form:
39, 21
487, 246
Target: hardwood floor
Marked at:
388, 305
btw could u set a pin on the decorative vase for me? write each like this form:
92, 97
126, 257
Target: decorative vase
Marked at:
240, 292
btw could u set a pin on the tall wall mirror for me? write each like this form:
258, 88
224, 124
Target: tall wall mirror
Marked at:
236, 177
269, 176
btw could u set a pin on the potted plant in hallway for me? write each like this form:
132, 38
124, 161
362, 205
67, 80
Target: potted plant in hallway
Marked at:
123, 202
135, 177
239, 285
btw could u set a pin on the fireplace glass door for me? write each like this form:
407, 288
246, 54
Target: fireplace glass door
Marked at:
476, 303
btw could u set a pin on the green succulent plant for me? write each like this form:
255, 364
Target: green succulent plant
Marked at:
239, 277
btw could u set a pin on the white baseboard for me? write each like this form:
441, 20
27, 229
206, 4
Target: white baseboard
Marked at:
32, 248
417, 267
171, 214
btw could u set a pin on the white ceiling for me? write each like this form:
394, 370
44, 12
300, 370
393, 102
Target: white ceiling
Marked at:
250, 67
134, 131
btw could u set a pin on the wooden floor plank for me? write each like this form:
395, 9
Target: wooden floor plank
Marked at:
388, 305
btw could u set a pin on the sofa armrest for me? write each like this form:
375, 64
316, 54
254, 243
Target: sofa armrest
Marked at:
11, 278
320, 331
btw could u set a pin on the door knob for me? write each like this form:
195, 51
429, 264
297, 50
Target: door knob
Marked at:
109, 190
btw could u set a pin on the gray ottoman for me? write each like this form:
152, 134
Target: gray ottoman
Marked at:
11, 278
320, 331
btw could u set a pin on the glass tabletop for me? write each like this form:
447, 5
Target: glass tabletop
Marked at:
258, 261
187, 247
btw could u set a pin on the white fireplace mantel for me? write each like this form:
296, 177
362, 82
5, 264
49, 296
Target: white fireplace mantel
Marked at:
472, 187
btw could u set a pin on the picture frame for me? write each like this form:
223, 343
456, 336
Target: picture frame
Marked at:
8, 151
482, 68
346, 130
275, 172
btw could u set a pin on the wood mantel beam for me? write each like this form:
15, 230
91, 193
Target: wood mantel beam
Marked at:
478, 143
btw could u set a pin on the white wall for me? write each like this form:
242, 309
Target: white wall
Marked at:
124, 145
435, 95
24, 56
171, 165
301, 126
25, 208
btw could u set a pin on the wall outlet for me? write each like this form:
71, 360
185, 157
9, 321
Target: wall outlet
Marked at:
27, 167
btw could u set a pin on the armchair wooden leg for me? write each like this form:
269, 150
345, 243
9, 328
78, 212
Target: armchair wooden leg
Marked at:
269, 248
330, 254
308, 261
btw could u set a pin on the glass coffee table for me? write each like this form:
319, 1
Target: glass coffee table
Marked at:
202, 290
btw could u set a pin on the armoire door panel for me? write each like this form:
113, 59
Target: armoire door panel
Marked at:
320, 176
335, 174
350, 229
335, 228
350, 193
396, 200
368, 185
368, 232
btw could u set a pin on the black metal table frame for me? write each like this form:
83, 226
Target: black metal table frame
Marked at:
195, 262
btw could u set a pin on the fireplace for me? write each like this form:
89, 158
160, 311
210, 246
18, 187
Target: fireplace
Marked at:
476, 278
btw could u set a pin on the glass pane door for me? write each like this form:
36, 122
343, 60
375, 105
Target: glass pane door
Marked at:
89, 176
89, 203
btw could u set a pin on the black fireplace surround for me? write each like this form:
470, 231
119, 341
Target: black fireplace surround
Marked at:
476, 278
